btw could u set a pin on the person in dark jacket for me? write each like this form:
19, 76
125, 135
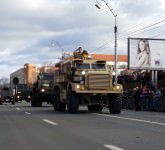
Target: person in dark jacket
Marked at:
137, 92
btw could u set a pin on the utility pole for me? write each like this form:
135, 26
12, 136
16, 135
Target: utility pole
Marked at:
115, 31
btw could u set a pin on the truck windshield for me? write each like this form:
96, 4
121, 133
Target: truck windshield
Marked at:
82, 66
20, 86
48, 77
98, 66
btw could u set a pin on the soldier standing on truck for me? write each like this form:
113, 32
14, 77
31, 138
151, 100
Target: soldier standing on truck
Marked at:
78, 53
84, 54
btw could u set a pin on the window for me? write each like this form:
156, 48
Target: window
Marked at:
98, 66
82, 66
48, 77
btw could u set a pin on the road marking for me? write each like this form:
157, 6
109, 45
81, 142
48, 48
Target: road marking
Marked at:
28, 113
161, 116
50, 122
17, 108
113, 147
132, 119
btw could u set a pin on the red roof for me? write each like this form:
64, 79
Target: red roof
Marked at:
120, 58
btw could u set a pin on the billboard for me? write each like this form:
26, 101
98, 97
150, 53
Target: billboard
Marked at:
146, 53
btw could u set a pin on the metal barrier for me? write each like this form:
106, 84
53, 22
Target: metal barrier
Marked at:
128, 100
147, 102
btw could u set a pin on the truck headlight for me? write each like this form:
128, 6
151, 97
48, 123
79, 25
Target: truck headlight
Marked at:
42, 90
83, 72
117, 87
77, 86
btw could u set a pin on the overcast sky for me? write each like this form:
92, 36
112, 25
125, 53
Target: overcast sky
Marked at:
32, 31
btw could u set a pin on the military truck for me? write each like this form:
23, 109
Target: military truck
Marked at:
23, 92
42, 89
86, 82
6, 95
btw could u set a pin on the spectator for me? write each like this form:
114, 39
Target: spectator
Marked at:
157, 99
137, 92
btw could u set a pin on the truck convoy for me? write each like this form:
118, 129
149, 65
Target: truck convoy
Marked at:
73, 82
86, 82
26, 76
34, 84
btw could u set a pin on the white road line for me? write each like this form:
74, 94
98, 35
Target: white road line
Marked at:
17, 108
132, 119
161, 116
113, 147
28, 113
50, 122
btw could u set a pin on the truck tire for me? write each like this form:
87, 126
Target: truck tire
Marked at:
34, 98
38, 100
33, 101
73, 101
58, 106
13, 101
115, 104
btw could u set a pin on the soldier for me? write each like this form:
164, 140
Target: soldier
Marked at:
137, 92
84, 54
78, 53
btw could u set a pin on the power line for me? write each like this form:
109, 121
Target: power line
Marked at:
134, 33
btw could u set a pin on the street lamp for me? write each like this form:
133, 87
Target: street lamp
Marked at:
115, 31
53, 43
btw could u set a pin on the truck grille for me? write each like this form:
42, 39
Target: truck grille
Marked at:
99, 81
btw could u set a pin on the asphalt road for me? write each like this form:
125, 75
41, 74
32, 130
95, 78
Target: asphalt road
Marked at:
23, 127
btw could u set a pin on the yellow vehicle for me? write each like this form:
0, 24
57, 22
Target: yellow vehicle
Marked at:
86, 82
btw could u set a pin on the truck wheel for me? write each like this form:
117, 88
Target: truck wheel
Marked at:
38, 99
73, 101
58, 106
115, 104
33, 101
12, 101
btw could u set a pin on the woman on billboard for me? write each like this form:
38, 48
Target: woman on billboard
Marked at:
143, 58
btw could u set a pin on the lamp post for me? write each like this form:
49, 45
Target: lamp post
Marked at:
53, 43
115, 31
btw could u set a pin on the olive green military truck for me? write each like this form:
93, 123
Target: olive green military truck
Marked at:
42, 89
6, 95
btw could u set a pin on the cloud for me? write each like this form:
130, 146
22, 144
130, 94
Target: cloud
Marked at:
28, 27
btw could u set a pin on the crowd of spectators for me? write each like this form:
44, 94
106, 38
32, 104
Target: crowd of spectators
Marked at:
143, 94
